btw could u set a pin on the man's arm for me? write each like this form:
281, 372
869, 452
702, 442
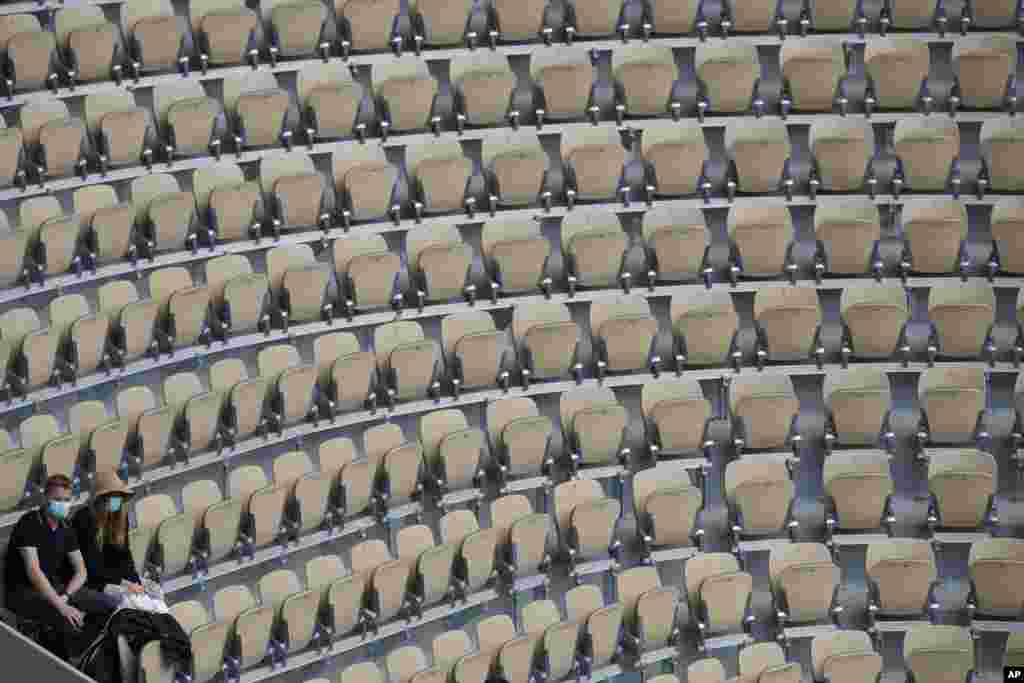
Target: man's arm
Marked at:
78, 580
38, 579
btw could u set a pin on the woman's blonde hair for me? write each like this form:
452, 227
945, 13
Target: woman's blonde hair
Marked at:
111, 527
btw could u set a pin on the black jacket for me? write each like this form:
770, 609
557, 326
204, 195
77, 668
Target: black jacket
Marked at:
101, 660
112, 564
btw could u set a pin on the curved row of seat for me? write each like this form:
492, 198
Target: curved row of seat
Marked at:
80, 45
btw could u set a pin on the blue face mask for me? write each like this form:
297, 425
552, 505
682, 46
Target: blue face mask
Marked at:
59, 509
114, 503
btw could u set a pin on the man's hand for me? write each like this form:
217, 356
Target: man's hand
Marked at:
134, 588
74, 617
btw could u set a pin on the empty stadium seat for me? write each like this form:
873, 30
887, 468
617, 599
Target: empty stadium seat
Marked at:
368, 25
564, 80
519, 443
190, 122
759, 158
13, 170
56, 144
928, 152
718, 593
599, 624
260, 113
963, 318
591, 19
1000, 144
515, 256
31, 60
814, 71
650, 611
897, 72
677, 418
546, 339
668, 18
107, 225
594, 165
900, 575
848, 232
939, 652
475, 562
842, 152
594, 246
675, 156
761, 235
759, 407
329, 102
484, 86
857, 402
767, 662
409, 363
667, 506
704, 328
728, 78
439, 24
519, 657
440, 174
953, 403
240, 298
644, 79
962, 484
184, 307
623, 333
474, 351
300, 285
297, 29
292, 391
586, 521
123, 133
25, 366
440, 264
297, 195
401, 472
760, 494
405, 93
218, 521
788, 324
91, 45
515, 170
845, 657
1004, 224
165, 216
994, 567
805, 584
453, 455
520, 21
708, 670
858, 487
230, 207
676, 242
82, 334
594, 430
367, 186
226, 32
522, 537
873, 321
984, 67
155, 38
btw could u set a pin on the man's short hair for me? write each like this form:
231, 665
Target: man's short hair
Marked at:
57, 481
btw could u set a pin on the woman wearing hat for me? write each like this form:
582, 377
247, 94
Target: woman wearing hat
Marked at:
102, 530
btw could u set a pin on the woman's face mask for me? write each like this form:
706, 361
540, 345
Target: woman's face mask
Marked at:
114, 503
59, 509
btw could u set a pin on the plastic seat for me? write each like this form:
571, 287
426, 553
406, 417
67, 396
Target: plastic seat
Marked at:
386, 577
299, 197
474, 351
676, 418
476, 550
492, 633
31, 60
329, 102
752, 17
226, 32
82, 333
347, 374
813, 70
441, 24
18, 326
727, 79
368, 274
184, 307
448, 648
759, 155
842, 152
804, 583
165, 216
155, 38
599, 625
953, 402
91, 45
767, 662
401, 467
57, 144
674, 156
597, 18
245, 397
595, 247
519, 439
252, 623
365, 25
293, 391
367, 185
858, 487
484, 87
718, 593
240, 298
897, 72
928, 152
848, 231
593, 429
667, 508
515, 256
300, 285
546, 339
520, 21
963, 317
453, 452
13, 170
519, 659
961, 484
264, 519
405, 92
1007, 218
209, 639
761, 235
845, 657
151, 429
836, 16
123, 134
162, 537
102, 437
54, 452
440, 264
760, 493
788, 324
676, 244
704, 327
191, 123
673, 17
403, 663
623, 333
522, 537
874, 320
18, 266
440, 175
939, 653
857, 402
586, 521
298, 29
564, 80
912, 14
217, 520
900, 575
409, 364
1000, 146
295, 610
594, 162
57, 238
985, 68
431, 564
260, 113
993, 566
108, 224
230, 206
515, 170
644, 79
759, 407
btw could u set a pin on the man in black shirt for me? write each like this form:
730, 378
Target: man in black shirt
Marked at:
45, 572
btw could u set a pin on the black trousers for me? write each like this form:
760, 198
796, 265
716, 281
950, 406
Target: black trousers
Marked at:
68, 641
